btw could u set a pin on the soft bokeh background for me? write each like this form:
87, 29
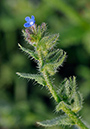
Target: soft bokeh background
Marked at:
21, 102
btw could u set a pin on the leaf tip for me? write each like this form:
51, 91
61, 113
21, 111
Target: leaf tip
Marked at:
17, 73
19, 45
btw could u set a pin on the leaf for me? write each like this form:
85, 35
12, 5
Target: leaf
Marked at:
78, 100
68, 92
52, 66
61, 60
29, 52
52, 40
51, 53
38, 78
54, 56
62, 120
47, 42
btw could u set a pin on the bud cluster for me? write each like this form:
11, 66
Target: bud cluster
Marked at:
34, 33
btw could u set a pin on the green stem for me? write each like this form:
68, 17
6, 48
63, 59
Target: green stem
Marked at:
48, 82
45, 75
40, 58
63, 106
50, 86
73, 116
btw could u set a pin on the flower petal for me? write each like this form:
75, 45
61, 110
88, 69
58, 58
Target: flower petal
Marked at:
32, 17
27, 19
27, 25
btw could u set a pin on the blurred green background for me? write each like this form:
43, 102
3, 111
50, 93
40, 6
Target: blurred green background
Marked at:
24, 102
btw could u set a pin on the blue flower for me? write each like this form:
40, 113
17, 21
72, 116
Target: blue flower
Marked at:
30, 21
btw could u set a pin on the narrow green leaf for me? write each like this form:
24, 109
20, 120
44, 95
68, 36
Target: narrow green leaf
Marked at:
62, 86
54, 56
61, 60
62, 120
67, 88
77, 105
48, 42
52, 53
52, 40
38, 78
29, 52
68, 92
52, 66
57, 56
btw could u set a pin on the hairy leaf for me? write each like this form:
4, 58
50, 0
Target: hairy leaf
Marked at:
38, 78
29, 52
54, 56
77, 105
69, 93
62, 120
52, 66
48, 41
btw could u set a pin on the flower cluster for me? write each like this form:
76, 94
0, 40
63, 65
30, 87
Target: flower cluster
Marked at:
33, 33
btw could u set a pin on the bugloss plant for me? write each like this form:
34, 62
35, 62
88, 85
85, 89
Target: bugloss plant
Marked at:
67, 97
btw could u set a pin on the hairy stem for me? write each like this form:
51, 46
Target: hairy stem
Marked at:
63, 106
48, 82
73, 116
50, 86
